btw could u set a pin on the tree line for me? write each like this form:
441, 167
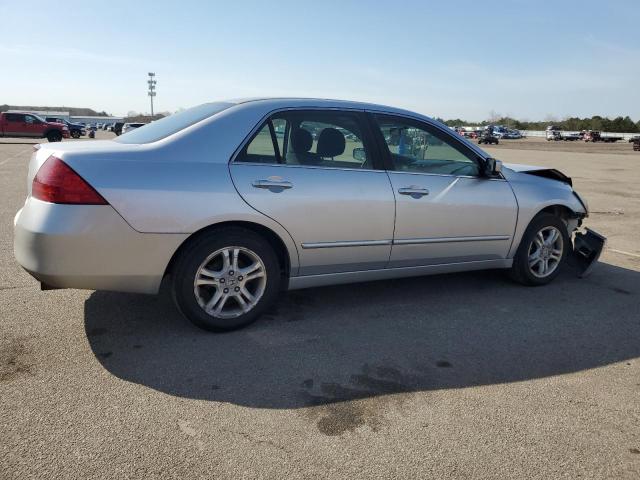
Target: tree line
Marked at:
617, 125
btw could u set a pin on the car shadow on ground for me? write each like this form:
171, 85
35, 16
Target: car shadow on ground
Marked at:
340, 343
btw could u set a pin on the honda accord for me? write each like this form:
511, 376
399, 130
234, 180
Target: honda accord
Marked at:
236, 201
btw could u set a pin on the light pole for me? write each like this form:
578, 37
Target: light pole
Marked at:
152, 88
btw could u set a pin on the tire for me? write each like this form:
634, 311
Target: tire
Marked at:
54, 136
521, 271
75, 133
207, 251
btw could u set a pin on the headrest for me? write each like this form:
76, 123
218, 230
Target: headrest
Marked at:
301, 140
331, 143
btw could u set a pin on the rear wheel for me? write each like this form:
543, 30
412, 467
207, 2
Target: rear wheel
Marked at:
54, 136
75, 133
226, 279
542, 251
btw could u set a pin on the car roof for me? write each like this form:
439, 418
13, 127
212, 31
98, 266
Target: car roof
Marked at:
283, 102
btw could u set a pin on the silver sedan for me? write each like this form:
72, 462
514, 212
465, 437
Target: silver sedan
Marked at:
236, 201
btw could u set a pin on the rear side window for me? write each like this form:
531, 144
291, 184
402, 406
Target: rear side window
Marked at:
14, 117
310, 138
154, 131
265, 146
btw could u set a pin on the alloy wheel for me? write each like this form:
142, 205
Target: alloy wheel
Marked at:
545, 252
230, 282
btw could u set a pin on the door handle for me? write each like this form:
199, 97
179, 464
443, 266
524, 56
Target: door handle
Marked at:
414, 191
277, 185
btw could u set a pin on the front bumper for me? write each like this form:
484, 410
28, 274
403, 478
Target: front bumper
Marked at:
587, 248
89, 247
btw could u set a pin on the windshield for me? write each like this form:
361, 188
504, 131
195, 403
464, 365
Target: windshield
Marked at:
154, 131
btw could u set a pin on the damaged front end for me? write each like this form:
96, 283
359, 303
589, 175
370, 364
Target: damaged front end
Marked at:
587, 244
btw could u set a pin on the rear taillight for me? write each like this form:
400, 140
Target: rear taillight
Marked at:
56, 182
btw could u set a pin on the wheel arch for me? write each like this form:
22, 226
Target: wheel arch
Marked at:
562, 210
278, 245
50, 130
565, 212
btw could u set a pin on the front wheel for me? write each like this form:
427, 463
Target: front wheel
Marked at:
542, 251
54, 136
226, 279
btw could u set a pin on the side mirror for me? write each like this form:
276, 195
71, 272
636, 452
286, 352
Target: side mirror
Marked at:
359, 154
492, 167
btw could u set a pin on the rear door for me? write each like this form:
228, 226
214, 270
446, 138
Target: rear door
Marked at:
315, 172
446, 212
15, 125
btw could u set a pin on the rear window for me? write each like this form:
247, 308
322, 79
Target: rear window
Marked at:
154, 131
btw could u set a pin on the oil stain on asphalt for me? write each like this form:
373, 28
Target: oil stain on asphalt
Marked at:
15, 361
362, 401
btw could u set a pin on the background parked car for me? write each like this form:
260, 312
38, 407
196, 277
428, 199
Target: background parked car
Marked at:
596, 136
512, 135
488, 136
117, 128
21, 125
76, 130
127, 127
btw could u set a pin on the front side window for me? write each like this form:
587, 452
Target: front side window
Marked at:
310, 138
415, 147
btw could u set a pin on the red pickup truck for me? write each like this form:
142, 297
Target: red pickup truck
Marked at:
28, 125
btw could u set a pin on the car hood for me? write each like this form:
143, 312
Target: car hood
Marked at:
544, 172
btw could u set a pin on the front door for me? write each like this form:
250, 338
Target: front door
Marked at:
446, 212
314, 172
32, 126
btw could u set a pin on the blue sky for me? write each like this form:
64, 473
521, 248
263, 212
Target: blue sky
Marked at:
530, 60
